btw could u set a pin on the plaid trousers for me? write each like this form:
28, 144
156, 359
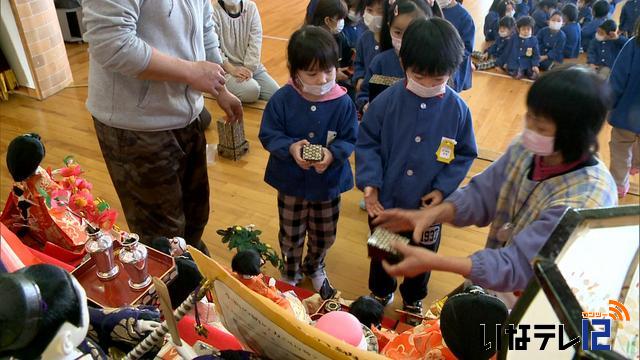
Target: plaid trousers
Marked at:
318, 221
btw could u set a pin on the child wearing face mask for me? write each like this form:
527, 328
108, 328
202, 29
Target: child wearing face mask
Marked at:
604, 49
571, 30
415, 144
331, 14
354, 25
523, 56
588, 32
551, 41
238, 24
385, 68
542, 14
310, 109
463, 22
494, 55
369, 43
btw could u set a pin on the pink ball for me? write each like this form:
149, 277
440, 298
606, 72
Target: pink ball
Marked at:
342, 325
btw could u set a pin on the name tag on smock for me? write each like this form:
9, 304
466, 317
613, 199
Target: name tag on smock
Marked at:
446, 152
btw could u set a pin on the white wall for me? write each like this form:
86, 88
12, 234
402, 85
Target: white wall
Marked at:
11, 46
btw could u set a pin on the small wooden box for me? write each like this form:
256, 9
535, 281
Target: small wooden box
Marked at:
232, 143
379, 245
312, 152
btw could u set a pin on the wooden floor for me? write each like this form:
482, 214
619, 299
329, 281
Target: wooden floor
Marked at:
239, 196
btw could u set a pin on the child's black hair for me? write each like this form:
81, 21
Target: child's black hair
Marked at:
399, 7
608, 26
600, 9
557, 12
570, 11
311, 47
508, 22
367, 310
549, 4
494, 5
318, 10
371, 3
525, 21
446, 49
502, 7
576, 99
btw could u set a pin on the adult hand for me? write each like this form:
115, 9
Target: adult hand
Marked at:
398, 220
296, 152
371, 202
321, 166
207, 77
230, 104
416, 260
432, 199
536, 70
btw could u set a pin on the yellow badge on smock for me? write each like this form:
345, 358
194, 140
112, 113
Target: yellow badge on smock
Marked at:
446, 149
529, 52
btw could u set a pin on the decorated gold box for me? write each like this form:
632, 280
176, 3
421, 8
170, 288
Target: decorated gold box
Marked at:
379, 245
232, 142
312, 152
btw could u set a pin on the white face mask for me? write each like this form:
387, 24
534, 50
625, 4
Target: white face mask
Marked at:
232, 2
511, 13
503, 34
600, 37
373, 22
354, 17
317, 90
536, 143
339, 27
397, 43
525, 36
555, 25
444, 3
423, 91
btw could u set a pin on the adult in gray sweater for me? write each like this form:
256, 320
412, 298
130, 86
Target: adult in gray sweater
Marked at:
149, 63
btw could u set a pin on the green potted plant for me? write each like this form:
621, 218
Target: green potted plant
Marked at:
246, 238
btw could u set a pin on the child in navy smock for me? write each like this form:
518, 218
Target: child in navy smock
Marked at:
604, 49
551, 41
542, 13
463, 22
522, 8
310, 109
330, 15
354, 27
585, 13
490, 26
523, 56
588, 33
385, 67
415, 144
571, 30
625, 115
369, 44
494, 55
628, 17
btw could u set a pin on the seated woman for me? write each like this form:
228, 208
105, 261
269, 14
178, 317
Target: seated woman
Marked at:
552, 166
238, 24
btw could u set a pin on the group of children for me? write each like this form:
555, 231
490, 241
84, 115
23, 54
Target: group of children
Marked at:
523, 44
397, 66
